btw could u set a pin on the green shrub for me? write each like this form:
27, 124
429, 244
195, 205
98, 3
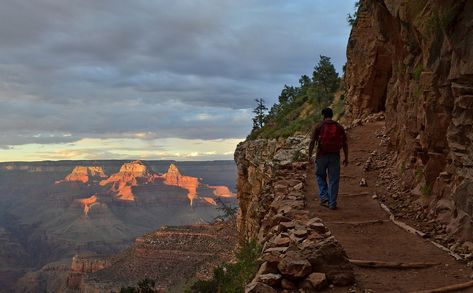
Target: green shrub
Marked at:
232, 278
419, 173
297, 156
417, 72
425, 190
352, 18
417, 93
403, 168
144, 286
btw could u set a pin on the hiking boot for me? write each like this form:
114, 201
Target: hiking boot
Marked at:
324, 203
333, 208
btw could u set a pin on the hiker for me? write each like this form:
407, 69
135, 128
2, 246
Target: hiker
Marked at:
331, 138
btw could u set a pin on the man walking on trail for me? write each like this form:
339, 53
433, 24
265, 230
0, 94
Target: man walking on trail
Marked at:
331, 138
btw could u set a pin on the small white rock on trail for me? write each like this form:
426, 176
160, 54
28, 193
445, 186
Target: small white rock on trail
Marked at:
367, 234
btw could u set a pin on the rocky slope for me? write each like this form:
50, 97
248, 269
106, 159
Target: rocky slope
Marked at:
414, 60
168, 256
299, 252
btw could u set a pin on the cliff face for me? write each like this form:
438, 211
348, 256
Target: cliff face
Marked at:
81, 266
256, 171
297, 249
414, 60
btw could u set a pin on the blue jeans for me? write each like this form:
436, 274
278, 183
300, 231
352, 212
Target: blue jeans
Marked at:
328, 165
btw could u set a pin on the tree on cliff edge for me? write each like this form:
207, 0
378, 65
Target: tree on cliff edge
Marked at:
260, 114
325, 79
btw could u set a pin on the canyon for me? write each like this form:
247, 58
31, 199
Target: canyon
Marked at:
408, 112
52, 211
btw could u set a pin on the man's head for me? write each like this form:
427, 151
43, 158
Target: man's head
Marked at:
327, 113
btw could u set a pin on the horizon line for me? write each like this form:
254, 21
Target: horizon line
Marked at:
111, 160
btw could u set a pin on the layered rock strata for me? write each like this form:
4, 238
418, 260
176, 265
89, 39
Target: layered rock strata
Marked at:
299, 252
414, 60
168, 256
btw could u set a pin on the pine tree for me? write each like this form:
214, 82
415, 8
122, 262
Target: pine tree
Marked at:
260, 114
325, 79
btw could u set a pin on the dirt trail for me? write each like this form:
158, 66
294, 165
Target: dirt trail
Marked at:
382, 241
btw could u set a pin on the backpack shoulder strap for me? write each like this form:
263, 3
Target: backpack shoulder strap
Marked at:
321, 129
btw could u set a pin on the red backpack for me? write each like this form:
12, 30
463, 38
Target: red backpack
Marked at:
331, 137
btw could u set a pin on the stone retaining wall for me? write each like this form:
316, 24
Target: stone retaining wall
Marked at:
299, 251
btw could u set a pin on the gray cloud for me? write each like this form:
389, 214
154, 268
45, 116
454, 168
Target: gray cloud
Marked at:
188, 69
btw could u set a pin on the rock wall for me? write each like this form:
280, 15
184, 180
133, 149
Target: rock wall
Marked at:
298, 250
81, 266
414, 60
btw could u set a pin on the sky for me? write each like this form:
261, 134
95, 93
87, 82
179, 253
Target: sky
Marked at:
152, 79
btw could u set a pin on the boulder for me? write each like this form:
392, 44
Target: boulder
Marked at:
257, 287
292, 266
269, 279
329, 257
288, 285
314, 282
267, 268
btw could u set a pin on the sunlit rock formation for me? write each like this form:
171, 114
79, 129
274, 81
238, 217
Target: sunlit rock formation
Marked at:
87, 203
130, 174
222, 191
174, 177
84, 174
210, 200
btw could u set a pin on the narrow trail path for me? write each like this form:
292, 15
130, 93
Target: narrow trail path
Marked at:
379, 240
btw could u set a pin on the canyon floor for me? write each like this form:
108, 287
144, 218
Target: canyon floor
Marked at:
364, 230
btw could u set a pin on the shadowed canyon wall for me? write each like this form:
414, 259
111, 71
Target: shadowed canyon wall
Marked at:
414, 60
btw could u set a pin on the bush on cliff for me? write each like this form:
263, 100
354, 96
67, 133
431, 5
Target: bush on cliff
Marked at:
298, 108
144, 286
232, 278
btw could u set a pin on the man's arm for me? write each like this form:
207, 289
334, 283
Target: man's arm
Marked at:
345, 152
314, 137
345, 148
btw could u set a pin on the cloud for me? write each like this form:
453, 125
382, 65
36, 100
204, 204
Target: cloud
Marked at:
143, 69
126, 149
